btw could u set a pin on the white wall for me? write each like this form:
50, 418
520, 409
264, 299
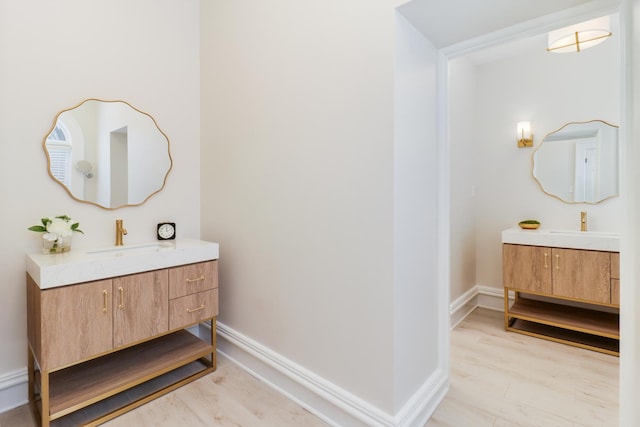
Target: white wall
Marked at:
462, 141
550, 90
298, 188
52, 56
418, 309
297, 115
630, 243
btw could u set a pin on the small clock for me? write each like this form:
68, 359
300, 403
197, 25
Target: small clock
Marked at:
166, 231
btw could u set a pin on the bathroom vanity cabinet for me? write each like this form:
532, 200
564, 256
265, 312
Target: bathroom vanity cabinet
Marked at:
563, 294
100, 348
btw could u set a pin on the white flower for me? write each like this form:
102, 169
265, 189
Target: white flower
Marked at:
60, 226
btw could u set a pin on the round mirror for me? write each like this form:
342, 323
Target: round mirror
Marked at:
108, 153
578, 163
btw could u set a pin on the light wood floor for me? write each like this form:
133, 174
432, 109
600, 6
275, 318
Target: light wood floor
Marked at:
498, 379
227, 397
502, 379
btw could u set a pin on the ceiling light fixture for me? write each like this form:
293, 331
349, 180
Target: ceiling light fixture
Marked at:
578, 37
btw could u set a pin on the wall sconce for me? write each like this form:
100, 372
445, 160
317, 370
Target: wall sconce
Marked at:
579, 36
85, 167
525, 137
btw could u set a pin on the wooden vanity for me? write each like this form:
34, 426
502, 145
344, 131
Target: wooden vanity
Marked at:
100, 348
563, 294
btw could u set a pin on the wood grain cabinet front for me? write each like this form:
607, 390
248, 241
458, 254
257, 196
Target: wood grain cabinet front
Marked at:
69, 323
615, 278
582, 275
192, 309
140, 303
192, 278
94, 342
571, 273
193, 293
565, 295
527, 268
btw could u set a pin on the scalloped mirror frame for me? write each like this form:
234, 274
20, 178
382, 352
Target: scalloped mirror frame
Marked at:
95, 203
537, 180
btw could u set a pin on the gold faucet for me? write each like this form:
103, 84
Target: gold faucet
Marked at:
583, 221
120, 232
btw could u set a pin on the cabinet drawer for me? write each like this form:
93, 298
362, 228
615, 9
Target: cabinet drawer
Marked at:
615, 291
193, 278
190, 309
615, 265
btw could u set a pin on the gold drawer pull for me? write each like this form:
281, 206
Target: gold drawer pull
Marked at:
121, 291
546, 255
557, 262
197, 279
104, 301
193, 310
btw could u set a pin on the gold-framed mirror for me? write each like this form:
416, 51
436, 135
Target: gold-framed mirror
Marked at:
107, 153
579, 163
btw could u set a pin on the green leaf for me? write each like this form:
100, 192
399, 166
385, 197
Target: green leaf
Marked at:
64, 217
38, 228
45, 221
75, 226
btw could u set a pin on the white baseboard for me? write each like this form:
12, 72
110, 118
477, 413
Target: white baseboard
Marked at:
13, 389
478, 296
418, 410
329, 402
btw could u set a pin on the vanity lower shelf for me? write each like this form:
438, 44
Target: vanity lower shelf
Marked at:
99, 389
110, 407
581, 327
566, 336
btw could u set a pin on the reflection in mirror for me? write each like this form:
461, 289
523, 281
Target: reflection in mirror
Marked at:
578, 163
108, 153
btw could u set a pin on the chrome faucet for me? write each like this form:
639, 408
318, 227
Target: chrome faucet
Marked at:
120, 232
583, 221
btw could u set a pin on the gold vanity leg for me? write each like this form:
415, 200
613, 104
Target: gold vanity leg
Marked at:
506, 309
31, 373
214, 354
44, 397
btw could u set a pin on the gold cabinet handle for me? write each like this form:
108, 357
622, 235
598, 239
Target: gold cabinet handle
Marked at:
557, 262
197, 279
546, 264
121, 292
104, 301
193, 310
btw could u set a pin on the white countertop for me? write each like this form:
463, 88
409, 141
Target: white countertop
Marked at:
589, 240
78, 265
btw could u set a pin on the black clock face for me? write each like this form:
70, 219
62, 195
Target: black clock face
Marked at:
166, 231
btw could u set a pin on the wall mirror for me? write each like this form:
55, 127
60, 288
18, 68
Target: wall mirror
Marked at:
578, 163
108, 153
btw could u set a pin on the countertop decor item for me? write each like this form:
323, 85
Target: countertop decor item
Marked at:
57, 233
166, 231
529, 224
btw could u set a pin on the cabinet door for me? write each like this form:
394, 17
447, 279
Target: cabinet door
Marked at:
76, 323
141, 306
527, 268
193, 278
583, 275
